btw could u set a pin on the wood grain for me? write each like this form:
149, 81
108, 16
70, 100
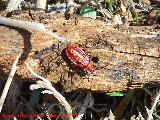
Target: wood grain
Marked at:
122, 61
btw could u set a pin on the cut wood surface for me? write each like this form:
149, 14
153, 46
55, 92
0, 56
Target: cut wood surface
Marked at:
124, 57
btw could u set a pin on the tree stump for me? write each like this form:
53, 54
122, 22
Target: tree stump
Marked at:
123, 57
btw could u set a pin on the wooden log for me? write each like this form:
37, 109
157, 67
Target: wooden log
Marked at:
124, 58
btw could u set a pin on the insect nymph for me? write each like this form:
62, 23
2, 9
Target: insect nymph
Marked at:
78, 57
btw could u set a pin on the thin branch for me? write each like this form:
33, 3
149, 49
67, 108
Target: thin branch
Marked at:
15, 118
30, 25
150, 112
9, 81
140, 117
60, 98
38, 118
111, 115
38, 76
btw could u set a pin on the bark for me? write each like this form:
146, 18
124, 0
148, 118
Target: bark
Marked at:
124, 58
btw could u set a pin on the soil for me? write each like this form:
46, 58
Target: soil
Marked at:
122, 56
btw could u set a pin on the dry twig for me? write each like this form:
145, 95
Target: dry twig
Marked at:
29, 25
111, 115
52, 90
150, 112
8, 83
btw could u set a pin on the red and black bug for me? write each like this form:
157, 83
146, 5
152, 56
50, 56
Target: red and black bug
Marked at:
77, 56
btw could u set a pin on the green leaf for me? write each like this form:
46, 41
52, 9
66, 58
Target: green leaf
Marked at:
136, 15
118, 94
157, 115
110, 5
88, 11
158, 13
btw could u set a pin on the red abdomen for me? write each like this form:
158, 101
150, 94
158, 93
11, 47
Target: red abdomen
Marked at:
77, 56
